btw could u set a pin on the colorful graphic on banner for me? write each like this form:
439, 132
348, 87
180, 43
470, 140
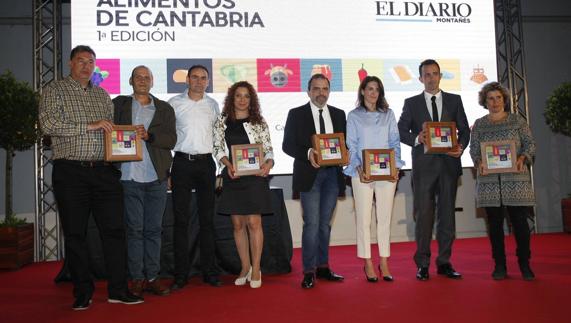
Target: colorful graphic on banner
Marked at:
331, 68
107, 75
177, 70
355, 70
157, 66
278, 75
229, 71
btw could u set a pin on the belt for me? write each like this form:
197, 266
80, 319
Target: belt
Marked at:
84, 163
192, 157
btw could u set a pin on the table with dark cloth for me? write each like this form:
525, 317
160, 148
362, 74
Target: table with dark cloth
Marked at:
276, 255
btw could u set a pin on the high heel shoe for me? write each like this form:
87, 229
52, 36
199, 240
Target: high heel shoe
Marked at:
240, 281
256, 283
387, 278
370, 279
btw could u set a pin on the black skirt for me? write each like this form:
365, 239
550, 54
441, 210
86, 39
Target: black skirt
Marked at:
245, 195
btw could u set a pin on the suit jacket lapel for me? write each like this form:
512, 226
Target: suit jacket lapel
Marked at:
425, 116
309, 117
445, 114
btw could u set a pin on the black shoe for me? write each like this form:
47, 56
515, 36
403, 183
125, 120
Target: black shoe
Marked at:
422, 273
370, 279
81, 303
500, 272
212, 280
308, 280
387, 278
526, 272
178, 283
126, 298
326, 273
448, 271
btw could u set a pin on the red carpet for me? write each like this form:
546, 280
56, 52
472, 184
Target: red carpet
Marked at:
29, 295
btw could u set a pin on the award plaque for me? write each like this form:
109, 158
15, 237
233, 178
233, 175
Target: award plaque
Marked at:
123, 144
331, 149
247, 159
441, 137
379, 164
499, 156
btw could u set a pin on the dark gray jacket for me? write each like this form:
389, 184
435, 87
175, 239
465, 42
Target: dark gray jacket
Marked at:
162, 131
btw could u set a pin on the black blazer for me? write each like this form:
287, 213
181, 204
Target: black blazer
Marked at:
297, 140
415, 113
162, 131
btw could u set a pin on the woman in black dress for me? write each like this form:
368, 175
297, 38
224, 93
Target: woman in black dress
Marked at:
244, 198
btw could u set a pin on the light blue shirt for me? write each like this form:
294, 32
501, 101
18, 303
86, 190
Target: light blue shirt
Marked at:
141, 171
371, 130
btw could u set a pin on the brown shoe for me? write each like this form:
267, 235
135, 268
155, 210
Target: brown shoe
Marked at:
137, 286
154, 286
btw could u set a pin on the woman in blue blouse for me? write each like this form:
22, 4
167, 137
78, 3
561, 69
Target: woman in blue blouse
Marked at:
372, 125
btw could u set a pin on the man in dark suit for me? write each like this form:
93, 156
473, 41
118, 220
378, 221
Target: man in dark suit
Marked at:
318, 186
434, 177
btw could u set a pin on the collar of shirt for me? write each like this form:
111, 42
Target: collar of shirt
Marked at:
326, 117
428, 99
151, 104
76, 83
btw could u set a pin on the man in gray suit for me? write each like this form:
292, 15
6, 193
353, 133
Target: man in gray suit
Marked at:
434, 176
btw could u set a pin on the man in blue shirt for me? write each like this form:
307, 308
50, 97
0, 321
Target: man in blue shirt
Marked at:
145, 182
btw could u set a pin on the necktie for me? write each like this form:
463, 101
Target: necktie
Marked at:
321, 122
434, 109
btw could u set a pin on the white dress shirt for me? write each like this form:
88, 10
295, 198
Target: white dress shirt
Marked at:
194, 122
326, 118
428, 100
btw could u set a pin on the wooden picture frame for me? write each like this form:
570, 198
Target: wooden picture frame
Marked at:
247, 159
379, 164
441, 137
123, 144
331, 149
499, 156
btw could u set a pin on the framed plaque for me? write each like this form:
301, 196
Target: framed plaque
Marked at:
441, 137
379, 164
331, 149
123, 144
499, 156
247, 159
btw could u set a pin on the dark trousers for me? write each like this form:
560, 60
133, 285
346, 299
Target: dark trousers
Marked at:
81, 191
200, 175
518, 218
434, 188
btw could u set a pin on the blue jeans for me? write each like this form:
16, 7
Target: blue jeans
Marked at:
144, 208
318, 205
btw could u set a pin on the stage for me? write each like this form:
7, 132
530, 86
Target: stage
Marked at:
30, 294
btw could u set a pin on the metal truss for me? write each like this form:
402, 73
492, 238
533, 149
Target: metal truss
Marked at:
47, 34
511, 62
510, 54
47, 23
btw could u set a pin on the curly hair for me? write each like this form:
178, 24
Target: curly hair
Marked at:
254, 110
381, 104
493, 86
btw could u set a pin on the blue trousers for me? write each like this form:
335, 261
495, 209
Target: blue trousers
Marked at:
144, 209
318, 205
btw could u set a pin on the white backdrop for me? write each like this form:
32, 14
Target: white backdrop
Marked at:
241, 39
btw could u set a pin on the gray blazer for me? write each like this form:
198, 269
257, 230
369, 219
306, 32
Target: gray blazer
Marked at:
162, 131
